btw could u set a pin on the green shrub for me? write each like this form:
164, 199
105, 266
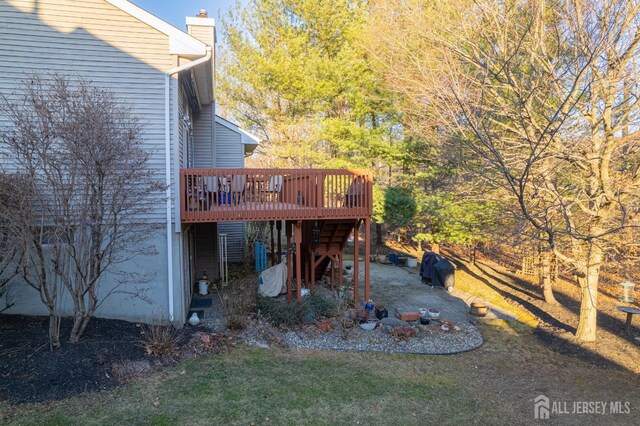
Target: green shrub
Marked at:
320, 306
288, 314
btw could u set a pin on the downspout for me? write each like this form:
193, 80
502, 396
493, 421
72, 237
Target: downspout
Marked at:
167, 148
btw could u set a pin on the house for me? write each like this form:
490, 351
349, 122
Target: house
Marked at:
167, 76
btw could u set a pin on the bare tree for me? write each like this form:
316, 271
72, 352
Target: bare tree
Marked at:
81, 149
25, 250
11, 254
545, 96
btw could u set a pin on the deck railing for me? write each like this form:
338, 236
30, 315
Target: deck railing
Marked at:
218, 195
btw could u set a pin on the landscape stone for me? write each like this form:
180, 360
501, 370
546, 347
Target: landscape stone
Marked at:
394, 322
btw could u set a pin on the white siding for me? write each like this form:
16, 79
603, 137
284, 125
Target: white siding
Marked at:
95, 40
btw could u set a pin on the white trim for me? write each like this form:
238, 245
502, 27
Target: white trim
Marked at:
200, 22
168, 131
192, 64
167, 147
180, 43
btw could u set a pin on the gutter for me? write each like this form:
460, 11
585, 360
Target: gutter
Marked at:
167, 147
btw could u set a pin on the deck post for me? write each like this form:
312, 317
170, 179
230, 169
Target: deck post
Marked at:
312, 265
340, 271
356, 272
298, 239
287, 227
273, 248
332, 270
367, 257
279, 228
305, 263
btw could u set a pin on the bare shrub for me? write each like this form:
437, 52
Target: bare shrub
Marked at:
81, 152
238, 298
161, 340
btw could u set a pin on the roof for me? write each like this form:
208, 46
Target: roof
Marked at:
250, 140
180, 43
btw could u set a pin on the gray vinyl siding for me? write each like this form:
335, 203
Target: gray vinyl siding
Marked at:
230, 154
229, 148
181, 141
235, 239
105, 45
203, 137
99, 42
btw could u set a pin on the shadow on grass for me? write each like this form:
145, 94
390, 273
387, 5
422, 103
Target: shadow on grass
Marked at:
605, 320
548, 336
533, 309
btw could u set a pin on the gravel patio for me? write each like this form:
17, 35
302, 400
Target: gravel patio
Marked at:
395, 287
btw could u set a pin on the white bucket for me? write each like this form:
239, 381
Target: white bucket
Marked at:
203, 287
412, 262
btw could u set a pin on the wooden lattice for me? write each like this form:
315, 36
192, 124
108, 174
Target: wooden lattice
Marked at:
530, 265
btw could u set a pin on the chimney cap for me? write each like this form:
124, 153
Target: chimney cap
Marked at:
202, 13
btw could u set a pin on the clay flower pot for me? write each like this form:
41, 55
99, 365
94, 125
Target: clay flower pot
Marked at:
479, 309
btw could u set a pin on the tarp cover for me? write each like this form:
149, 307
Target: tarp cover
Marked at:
437, 270
273, 281
443, 274
429, 259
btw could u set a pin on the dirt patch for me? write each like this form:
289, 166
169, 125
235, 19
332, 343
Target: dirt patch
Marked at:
109, 354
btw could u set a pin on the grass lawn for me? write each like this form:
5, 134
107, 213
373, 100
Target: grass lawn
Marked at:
495, 384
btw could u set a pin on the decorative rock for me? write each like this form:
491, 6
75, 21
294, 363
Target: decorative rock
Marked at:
388, 324
393, 322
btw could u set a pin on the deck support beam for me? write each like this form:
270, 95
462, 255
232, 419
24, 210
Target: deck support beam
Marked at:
367, 257
273, 249
312, 267
279, 254
287, 226
298, 239
356, 254
305, 265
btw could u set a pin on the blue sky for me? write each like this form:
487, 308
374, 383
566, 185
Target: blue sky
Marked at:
174, 11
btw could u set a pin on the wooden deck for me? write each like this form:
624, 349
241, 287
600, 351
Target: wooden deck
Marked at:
223, 195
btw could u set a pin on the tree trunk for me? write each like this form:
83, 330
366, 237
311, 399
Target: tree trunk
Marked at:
74, 336
77, 333
547, 281
378, 234
588, 308
588, 281
54, 331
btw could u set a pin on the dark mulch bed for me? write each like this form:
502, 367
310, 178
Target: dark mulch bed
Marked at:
31, 372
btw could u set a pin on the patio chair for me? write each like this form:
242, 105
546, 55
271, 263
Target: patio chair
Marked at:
237, 188
355, 193
275, 187
196, 193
